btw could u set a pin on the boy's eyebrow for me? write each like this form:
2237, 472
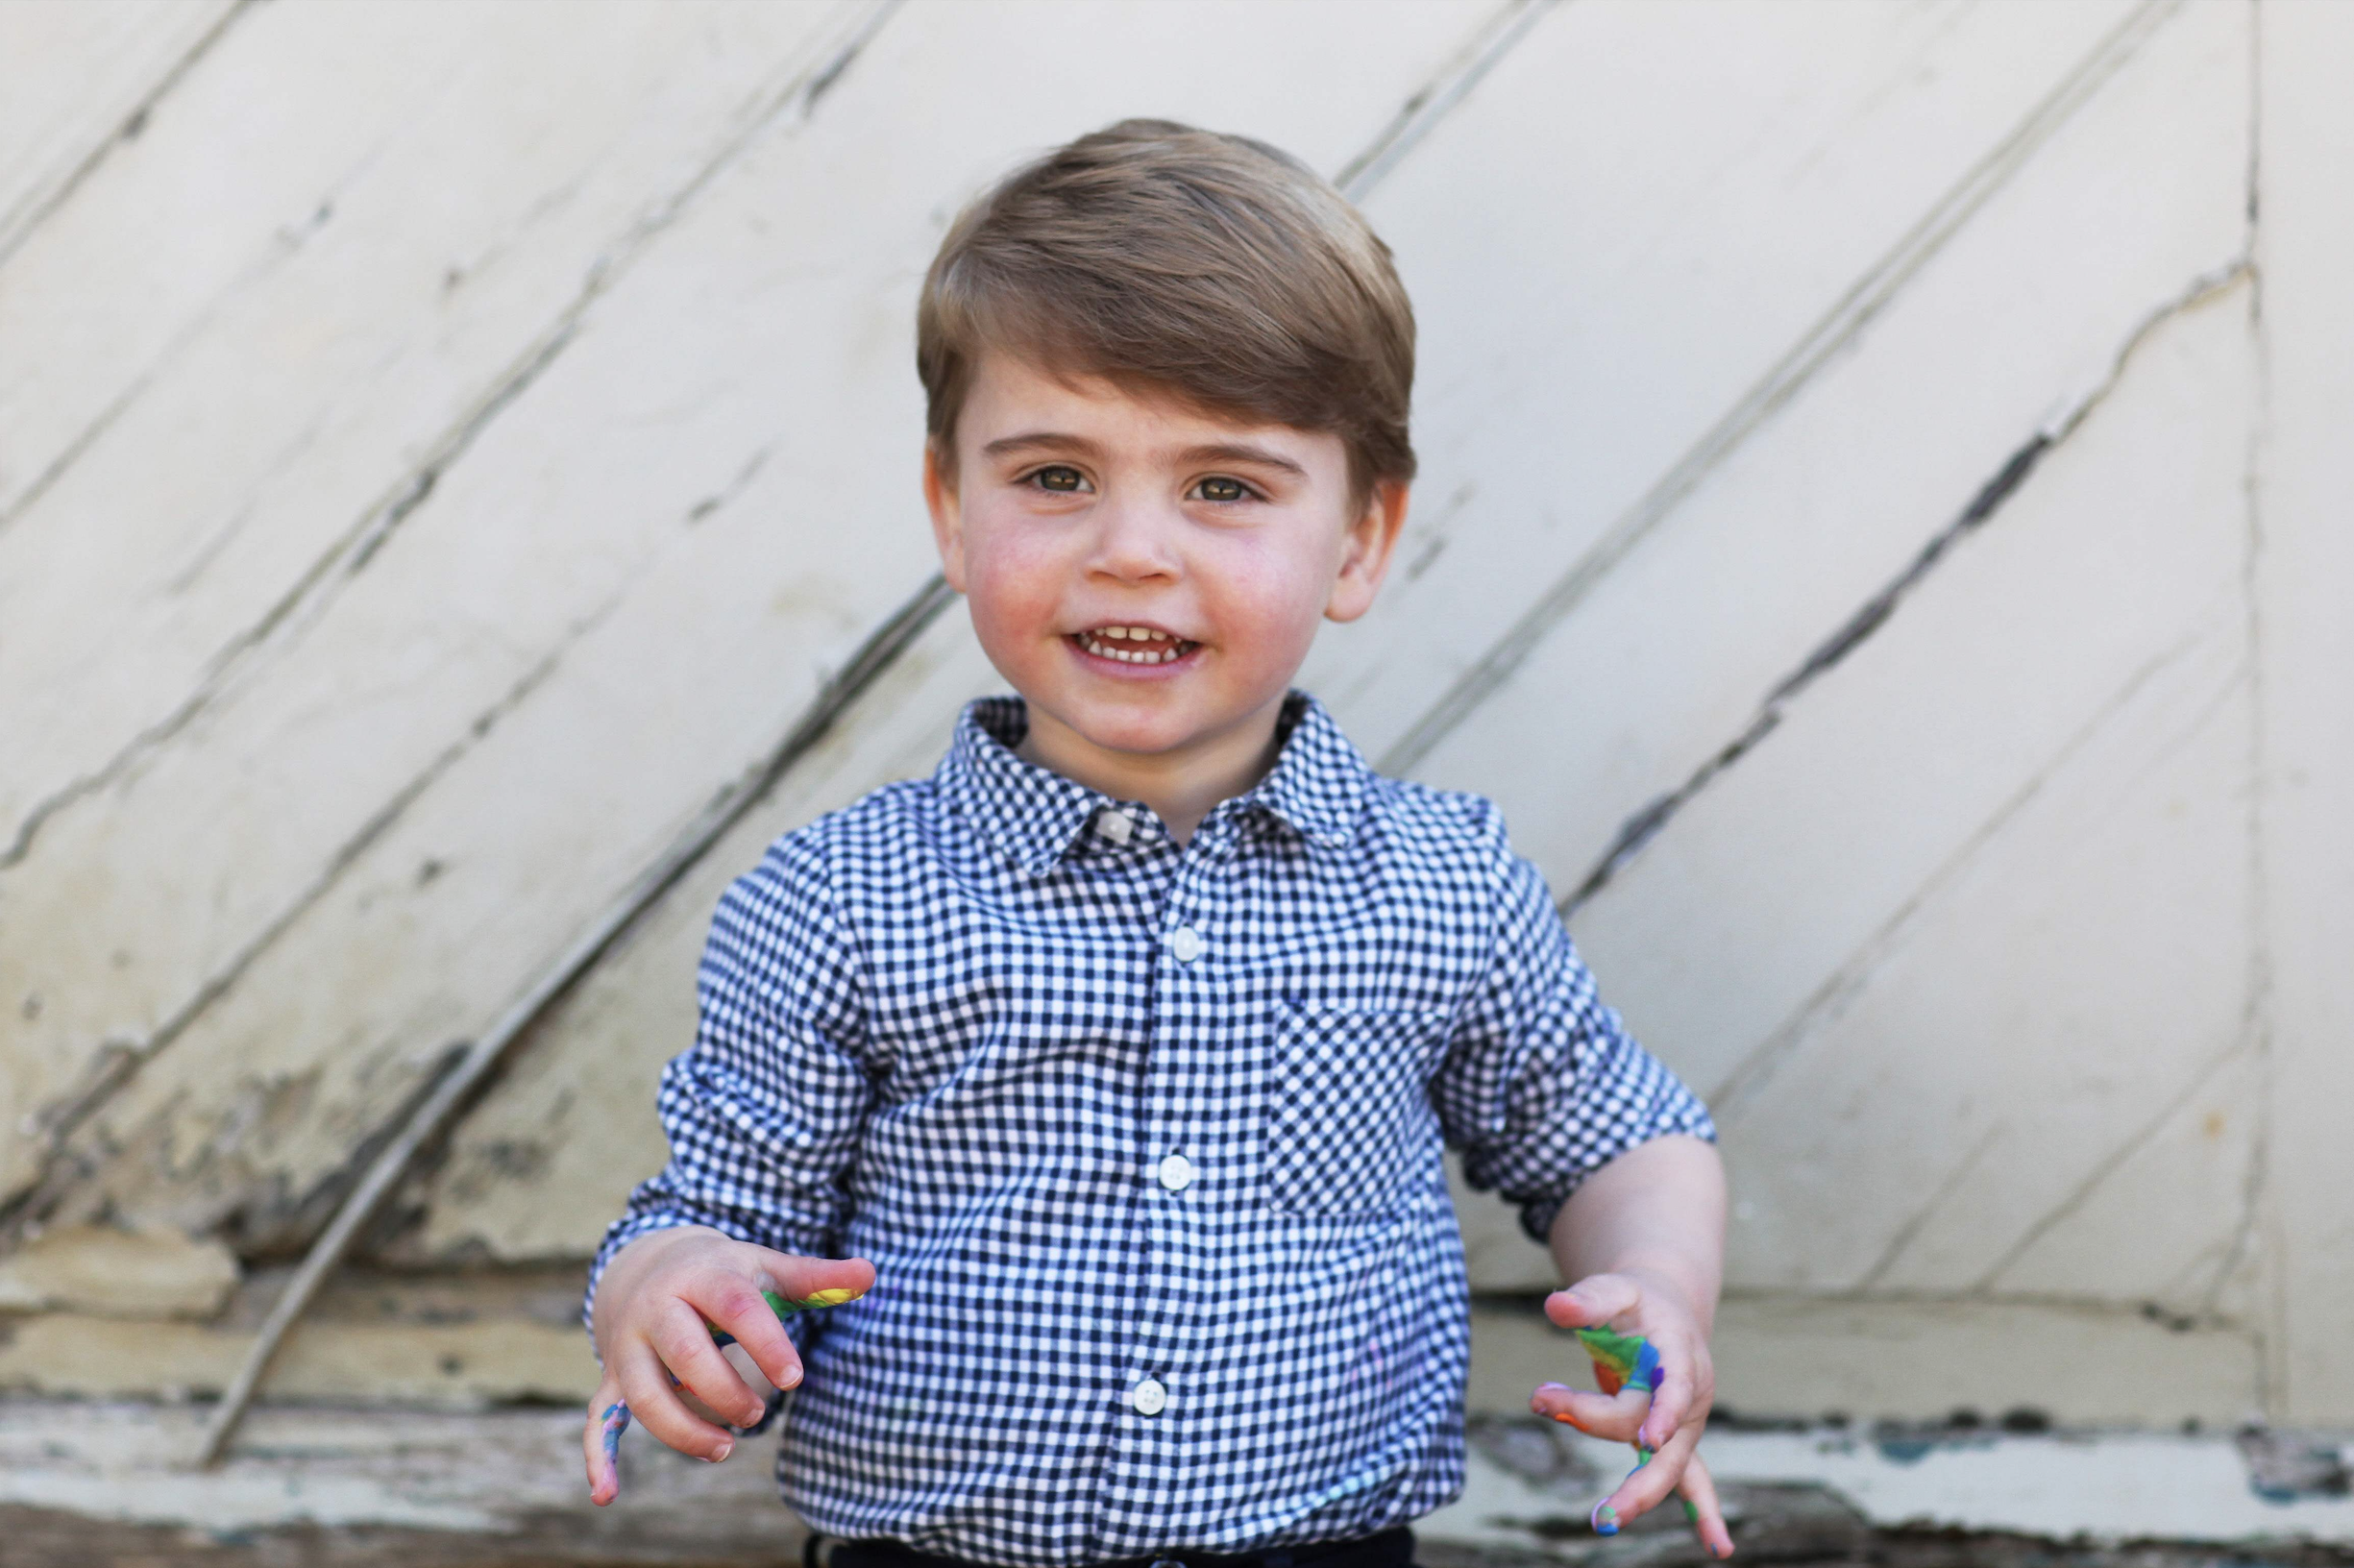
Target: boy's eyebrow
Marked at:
1040, 441
1241, 451
1215, 452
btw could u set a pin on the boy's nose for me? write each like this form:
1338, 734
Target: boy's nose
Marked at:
1134, 542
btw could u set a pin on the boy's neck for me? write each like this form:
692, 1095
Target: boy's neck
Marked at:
1181, 786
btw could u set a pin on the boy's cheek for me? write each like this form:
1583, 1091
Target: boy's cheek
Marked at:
1013, 626
1015, 573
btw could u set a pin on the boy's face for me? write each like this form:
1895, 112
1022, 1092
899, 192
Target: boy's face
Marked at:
1150, 578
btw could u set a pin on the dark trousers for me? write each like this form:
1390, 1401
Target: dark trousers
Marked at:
1390, 1548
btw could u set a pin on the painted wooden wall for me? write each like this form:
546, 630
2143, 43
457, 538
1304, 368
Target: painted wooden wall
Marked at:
1883, 539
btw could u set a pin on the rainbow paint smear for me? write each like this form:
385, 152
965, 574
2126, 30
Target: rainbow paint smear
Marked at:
1620, 1360
784, 1309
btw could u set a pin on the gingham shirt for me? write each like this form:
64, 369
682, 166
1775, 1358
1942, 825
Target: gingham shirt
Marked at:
1143, 1141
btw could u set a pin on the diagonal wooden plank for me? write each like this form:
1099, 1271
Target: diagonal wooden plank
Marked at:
1639, 829
2080, 964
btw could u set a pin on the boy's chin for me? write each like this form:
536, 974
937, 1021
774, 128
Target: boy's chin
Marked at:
1134, 734
1149, 724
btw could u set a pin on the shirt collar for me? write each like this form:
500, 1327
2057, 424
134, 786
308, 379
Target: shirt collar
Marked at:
1033, 816
1317, 785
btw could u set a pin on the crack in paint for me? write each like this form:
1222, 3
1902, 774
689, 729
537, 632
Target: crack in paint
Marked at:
283, 245
1862, 304
18, 227
2087, 1307
1640, 830
2131, 1144
2260, 1212
87, 438
1910, 1231
1439, 97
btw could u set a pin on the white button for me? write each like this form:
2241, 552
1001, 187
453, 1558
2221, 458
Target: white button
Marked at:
1113, 826
1176, 1173
1186, 943
1148, 1397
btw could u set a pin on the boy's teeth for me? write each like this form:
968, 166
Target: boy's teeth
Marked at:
1160, 646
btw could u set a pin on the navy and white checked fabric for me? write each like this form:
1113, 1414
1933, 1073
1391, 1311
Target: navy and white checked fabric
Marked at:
961, 1028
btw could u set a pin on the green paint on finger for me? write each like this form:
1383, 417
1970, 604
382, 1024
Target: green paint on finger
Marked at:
785, 1307
1620, 1360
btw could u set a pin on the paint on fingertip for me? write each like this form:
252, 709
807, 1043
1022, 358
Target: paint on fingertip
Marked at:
616, 1422
1691, 1512
833, 1297
1605, 1519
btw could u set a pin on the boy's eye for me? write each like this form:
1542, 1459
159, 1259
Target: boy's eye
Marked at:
1060, 480
1222, 489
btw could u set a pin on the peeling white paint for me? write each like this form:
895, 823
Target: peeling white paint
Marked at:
2107, 1487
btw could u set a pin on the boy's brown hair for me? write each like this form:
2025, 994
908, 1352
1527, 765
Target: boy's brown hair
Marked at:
1188, 263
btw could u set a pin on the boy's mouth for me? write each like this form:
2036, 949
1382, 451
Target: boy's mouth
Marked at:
1132, 645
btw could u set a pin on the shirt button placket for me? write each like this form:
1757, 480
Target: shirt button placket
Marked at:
1173, 1224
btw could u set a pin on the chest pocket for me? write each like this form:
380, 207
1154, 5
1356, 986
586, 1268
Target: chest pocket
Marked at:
1348, 1107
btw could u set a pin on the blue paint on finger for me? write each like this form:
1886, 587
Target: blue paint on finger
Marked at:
617, 1422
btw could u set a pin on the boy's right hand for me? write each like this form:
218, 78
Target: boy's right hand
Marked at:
659, 1299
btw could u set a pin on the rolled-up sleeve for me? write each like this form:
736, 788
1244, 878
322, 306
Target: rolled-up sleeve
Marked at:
764, 1111
1541, 1084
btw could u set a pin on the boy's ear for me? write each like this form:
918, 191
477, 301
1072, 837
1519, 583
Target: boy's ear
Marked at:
1364, 557
947, 516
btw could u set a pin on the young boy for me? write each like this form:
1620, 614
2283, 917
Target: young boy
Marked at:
1125, 1044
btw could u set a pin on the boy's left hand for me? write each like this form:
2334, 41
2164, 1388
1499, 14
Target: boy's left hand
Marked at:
1667, 1420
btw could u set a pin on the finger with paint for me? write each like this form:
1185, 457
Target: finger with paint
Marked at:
606, 1483
784, 1309
604, 1467
1626, 1369
1624, 1363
